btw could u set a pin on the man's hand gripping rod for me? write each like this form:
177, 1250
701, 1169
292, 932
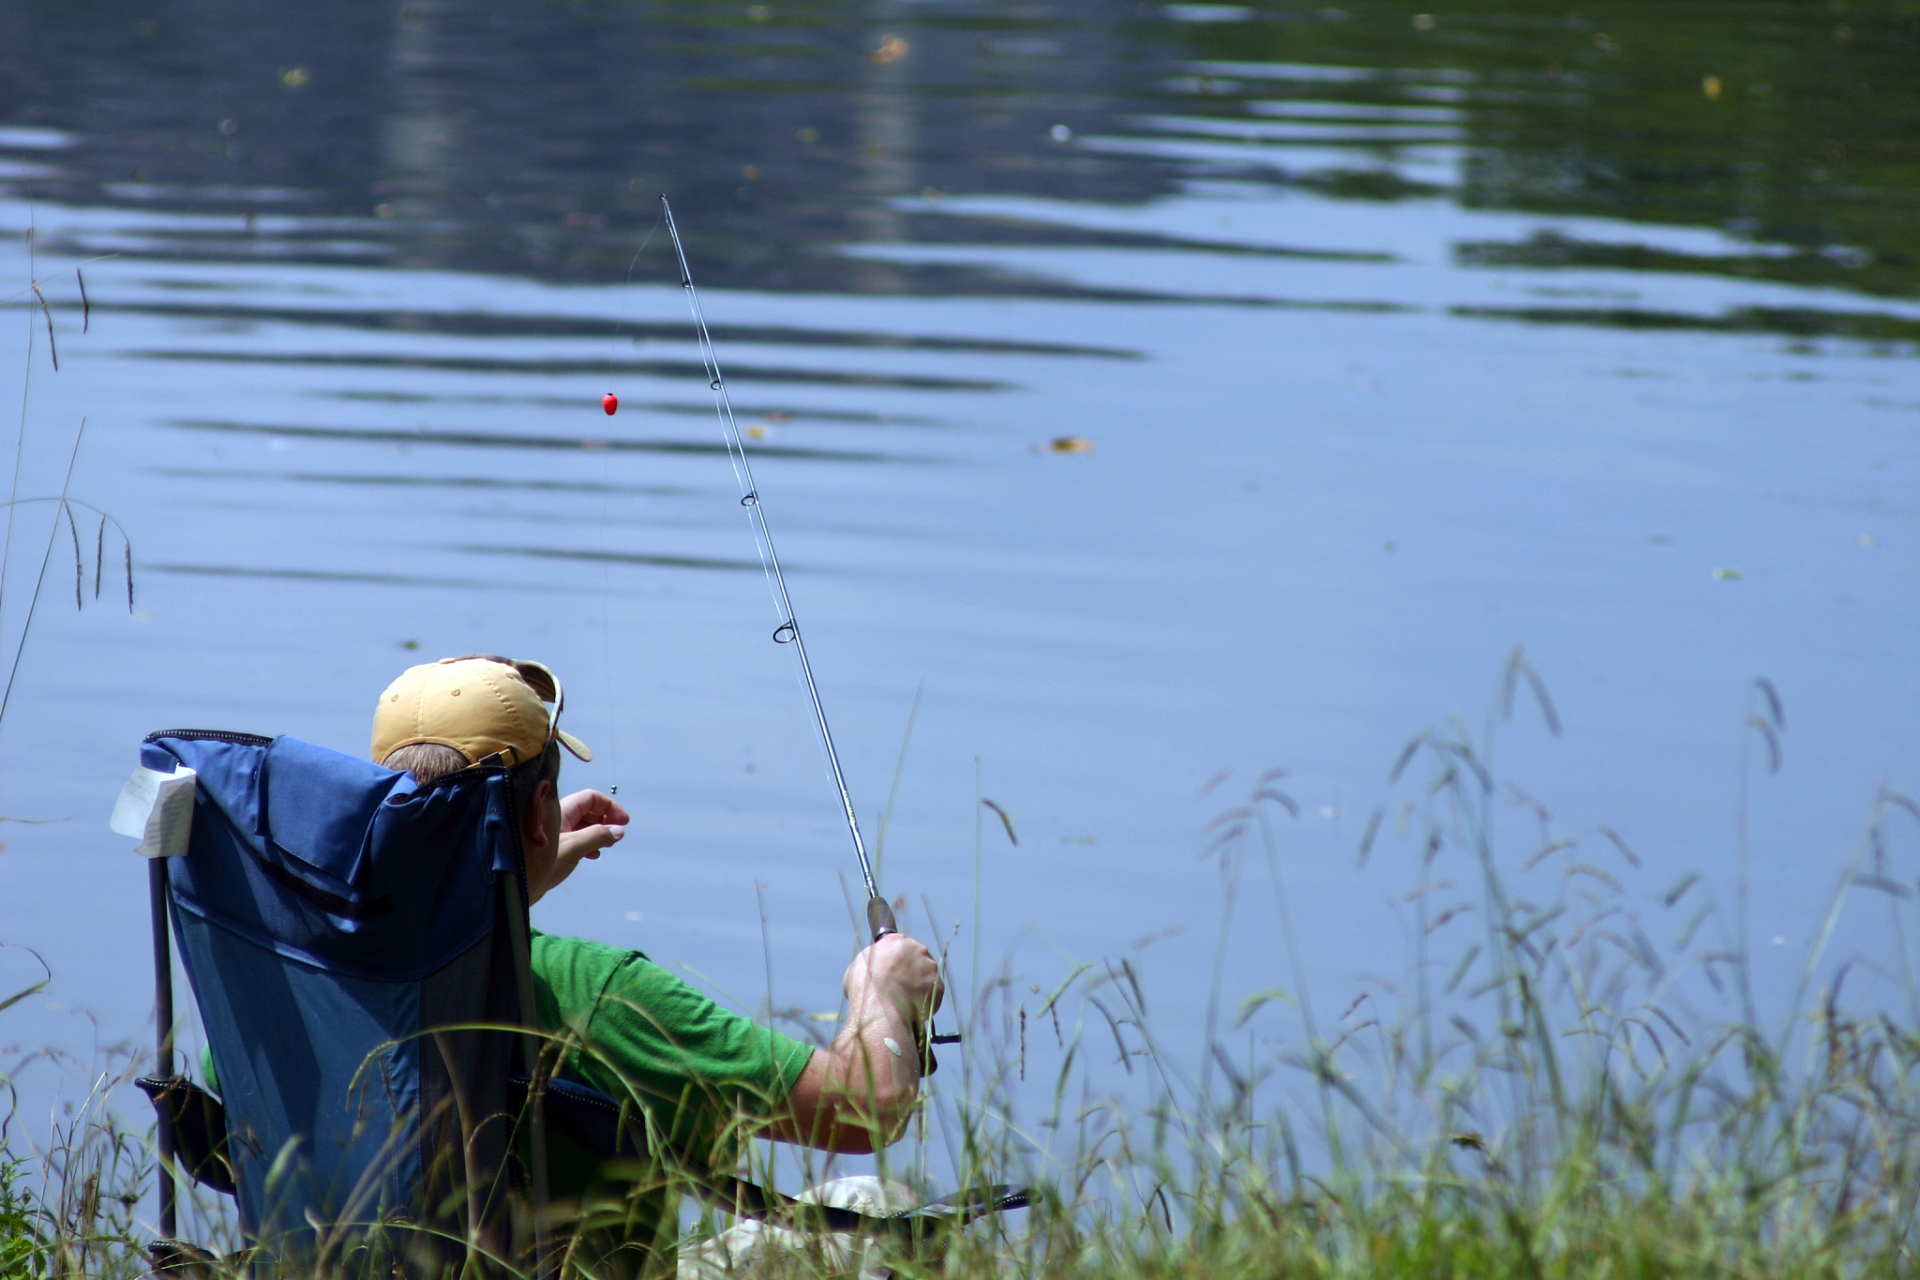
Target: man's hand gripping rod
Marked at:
879, 913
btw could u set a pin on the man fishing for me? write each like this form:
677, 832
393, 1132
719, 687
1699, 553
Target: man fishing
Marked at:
704, 1078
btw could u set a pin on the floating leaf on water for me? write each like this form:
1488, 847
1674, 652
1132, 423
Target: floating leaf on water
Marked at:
1726, 575
1711, 87
892, 49
1070, 444
756, 432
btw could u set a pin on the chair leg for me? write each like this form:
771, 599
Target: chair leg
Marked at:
163, 1020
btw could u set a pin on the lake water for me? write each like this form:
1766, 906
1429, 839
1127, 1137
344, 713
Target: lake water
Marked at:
1379, 343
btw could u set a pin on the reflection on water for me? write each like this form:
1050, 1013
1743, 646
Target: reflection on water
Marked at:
1386, 340
322, 575
523, 326
456, 135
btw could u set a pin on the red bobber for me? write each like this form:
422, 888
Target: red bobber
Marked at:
609, 402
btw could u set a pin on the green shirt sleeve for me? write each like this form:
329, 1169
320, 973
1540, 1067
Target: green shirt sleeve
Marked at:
701, 1073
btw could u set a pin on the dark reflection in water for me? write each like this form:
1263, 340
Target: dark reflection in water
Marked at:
704, 412
469, 324
503, 440
617, 557
534, 138
1804, 321
1784, 122
324, 575
684, 370
488, 483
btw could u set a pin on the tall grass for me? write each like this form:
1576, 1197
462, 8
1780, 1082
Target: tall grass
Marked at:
69, 1196
1552, 1093
1549, 1097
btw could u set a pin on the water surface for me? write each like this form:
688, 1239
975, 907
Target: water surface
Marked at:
1393, 341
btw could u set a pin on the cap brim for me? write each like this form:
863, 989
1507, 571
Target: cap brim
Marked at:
580, 749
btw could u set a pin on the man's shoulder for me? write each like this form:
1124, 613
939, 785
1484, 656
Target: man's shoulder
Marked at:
556, 946
576, 960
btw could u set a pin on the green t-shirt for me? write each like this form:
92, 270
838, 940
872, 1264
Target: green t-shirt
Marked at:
702, 1075
639, 1034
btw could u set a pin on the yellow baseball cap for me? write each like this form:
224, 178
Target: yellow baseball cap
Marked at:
491, 710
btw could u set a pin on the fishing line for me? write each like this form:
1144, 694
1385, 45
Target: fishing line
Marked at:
788, 632
606, 568
634, 261
606, 622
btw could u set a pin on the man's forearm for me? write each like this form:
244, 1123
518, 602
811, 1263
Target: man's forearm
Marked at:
882, 1062
857, 1094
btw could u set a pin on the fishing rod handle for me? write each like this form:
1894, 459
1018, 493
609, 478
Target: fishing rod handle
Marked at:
880, 917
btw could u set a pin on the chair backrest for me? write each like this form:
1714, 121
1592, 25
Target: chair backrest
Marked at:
356, 945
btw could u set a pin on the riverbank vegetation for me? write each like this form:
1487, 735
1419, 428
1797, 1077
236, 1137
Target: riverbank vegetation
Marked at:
1553, 1097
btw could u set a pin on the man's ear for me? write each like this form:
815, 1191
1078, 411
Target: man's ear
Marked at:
536, 828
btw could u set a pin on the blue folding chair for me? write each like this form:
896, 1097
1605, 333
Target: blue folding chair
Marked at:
357, 946
358, 949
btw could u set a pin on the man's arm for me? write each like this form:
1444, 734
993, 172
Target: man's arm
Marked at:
857, 1094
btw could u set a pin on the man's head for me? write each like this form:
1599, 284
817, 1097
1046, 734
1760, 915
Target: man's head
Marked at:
441, 717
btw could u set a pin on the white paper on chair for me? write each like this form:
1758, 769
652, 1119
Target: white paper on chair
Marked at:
158, 808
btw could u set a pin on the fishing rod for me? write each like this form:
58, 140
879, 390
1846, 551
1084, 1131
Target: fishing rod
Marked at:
879, 912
